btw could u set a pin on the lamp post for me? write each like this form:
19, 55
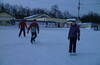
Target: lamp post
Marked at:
78, 9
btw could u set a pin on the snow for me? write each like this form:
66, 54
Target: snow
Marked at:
51, 47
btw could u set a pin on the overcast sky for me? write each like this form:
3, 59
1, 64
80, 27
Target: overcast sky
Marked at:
64, 5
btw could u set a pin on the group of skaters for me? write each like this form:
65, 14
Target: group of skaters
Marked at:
34, 27
73, 35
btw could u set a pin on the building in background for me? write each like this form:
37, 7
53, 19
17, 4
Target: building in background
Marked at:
47, 21
6, 19
69, 21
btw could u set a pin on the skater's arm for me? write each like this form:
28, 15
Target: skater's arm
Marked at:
29, 26
69, 33
28, 29
26, 26
19, 25
37, 27
78, 33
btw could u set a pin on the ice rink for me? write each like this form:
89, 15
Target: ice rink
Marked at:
51, 47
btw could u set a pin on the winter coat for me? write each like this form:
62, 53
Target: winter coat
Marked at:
33, 26
22, 25
74, 32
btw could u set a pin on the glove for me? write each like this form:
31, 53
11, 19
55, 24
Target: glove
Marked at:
78, 39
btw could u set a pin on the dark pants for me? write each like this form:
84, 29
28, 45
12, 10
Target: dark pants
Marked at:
21, 32
33, 36
72, 46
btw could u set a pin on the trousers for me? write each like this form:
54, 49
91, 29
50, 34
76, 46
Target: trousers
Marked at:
72, 45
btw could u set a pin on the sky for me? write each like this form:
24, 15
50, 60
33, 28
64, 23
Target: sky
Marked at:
64, 5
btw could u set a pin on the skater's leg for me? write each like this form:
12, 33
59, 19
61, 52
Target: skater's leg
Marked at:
70, 45
35, 35
24, 33
20, 32
74, 45
32, 34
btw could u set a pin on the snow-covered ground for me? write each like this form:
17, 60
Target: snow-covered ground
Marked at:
51, 47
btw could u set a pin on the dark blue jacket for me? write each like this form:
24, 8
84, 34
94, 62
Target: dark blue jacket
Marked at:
74, 32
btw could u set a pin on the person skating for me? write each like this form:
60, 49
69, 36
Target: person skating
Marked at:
73, 36
34, 29
22, 26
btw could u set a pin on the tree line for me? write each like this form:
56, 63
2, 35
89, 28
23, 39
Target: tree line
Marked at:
91, 17
20, 12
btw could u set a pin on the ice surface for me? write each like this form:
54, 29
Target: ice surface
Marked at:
51, 47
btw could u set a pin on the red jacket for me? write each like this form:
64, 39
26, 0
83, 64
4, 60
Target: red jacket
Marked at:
33, 24
22, 25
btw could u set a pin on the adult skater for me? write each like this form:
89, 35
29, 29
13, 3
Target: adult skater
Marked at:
22, 26
74, 34
34, 29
